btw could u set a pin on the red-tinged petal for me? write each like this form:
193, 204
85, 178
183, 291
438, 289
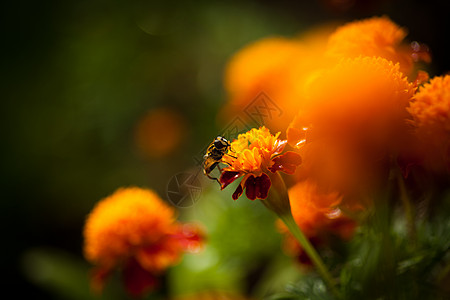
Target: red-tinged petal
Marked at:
286, 162
228, 177
190, 237
137, 280
264, 184
251, 188
257, 187
238, 192
240, 189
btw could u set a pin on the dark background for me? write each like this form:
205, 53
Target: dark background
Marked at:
77, 75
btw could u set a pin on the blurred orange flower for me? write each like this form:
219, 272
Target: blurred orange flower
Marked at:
135, 231
151, 141
430, 110
254, 155
257, 64
282, 68
379, 37
278, 67
318, 215
352, 117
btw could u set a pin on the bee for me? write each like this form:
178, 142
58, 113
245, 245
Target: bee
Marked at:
214, 154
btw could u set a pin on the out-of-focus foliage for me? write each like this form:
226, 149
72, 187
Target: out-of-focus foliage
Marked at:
385, 263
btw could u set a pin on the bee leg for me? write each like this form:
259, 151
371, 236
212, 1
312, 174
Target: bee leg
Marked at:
231, 156
214, 178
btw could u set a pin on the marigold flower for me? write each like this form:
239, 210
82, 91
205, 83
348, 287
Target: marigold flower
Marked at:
377, 36
352, 118
257, 154
135, 231
430, 110
318, 216
357, 97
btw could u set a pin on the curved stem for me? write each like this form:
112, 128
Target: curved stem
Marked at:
278, 202
312, 253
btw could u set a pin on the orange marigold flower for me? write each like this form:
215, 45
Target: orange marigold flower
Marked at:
135, 231
430, 110
318, 216
253, 155
377, 36
361, 97
352, 118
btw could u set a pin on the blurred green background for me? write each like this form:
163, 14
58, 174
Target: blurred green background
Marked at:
76, 78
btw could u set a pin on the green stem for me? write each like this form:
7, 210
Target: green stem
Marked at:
278, 202
312, 253
409, 211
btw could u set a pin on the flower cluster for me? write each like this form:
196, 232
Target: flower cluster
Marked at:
355, 110
358, 117
281, 67
135, 231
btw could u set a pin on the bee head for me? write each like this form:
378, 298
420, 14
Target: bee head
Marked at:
221, 143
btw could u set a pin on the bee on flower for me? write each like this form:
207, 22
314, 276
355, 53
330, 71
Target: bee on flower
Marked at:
214, 154
257, 154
